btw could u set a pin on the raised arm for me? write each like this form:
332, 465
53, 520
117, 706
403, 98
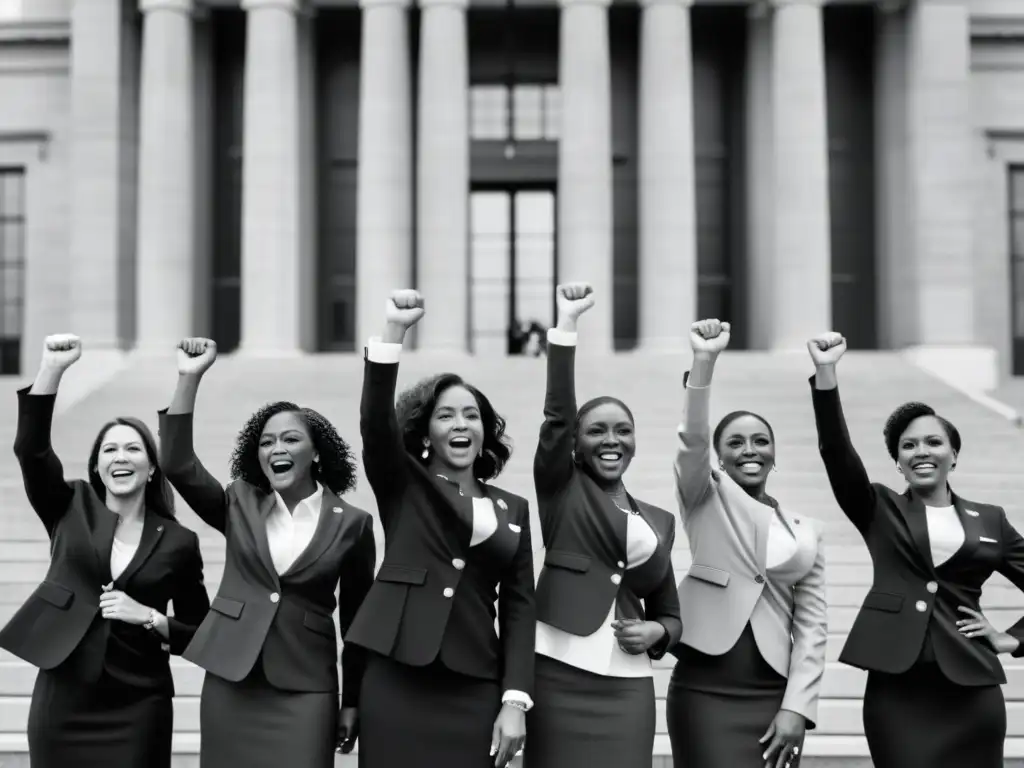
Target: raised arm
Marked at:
191, 601
353, 584
200, 489
553, 462
692, 466
384, 454
41, 470
810, 639
850, 482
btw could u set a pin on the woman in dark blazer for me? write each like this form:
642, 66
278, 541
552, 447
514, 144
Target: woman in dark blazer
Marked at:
606, 552
442, 688
933, 695
268, 645
752, 654
97, 626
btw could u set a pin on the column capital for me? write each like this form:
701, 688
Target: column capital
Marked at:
295, 6
570, 3
182, 6
364, 4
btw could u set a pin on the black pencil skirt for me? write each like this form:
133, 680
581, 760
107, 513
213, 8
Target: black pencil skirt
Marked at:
583, 720
251, 724
719, 707
71, 723
425, 717
920, 719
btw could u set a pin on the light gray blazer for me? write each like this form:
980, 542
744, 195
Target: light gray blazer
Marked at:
728, 583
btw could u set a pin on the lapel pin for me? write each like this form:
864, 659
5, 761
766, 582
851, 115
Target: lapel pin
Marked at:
337, 510
971, 512
515, 528
159, 529
502, 504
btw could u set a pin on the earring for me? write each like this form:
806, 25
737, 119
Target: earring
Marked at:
426, 450
775, 467
721, 465
573, 454
899, 468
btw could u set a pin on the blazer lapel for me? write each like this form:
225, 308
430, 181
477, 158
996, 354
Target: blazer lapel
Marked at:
259, 533
916, 518
103, 538
152, 530
972, 525
332, 515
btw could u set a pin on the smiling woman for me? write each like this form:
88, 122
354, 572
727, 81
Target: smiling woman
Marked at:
442, 687
269, 642
97, 626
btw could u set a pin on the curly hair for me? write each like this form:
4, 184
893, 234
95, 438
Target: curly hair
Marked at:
729, 418
336, 469
158, 495
900, 419
416, 405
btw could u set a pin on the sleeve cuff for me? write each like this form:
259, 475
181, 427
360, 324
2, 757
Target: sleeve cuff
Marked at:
517, 697
378, 351
562, 338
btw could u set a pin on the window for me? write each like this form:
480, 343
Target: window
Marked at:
12, 268
522, 112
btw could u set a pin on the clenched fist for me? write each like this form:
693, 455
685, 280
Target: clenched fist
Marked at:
61, 351
573, 299
709, 336
827, 348
195, 356
404, 308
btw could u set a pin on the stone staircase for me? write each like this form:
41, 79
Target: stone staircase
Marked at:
772, 384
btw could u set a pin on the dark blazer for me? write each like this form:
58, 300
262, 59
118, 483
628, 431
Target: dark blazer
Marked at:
434, 597
585, 533
60, 625
912, 604
284, 619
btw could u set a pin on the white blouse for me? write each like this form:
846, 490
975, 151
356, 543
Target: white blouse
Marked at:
945, 533
781, 543
122, 552
289, 533
600, 652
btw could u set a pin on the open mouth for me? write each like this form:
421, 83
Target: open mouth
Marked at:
610, 458
460, 443
750, 467
121, 474
925, 467
281, 466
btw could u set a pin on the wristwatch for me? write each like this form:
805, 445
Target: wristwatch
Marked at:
151, 624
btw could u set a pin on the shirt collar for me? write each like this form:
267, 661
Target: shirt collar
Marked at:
311, 504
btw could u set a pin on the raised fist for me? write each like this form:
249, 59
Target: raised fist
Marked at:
404, 308
195, 356
827, 348
709, 336
61, 351
573, 299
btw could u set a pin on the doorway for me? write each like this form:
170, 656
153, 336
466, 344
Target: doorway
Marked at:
512, 266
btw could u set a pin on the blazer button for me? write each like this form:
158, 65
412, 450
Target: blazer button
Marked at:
921, 606
621, 564
616, 579
932, 586
759, 579
458, 564
274, 597
448, 592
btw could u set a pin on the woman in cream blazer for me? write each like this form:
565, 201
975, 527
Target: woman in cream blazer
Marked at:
752, 653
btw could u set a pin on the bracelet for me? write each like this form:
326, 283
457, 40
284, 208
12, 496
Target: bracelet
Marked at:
151, 624
516, 704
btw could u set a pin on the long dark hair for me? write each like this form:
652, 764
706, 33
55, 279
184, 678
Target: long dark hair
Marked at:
416, 405
159, 497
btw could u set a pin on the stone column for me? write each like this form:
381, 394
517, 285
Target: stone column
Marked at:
802, 260
165, 290
442, 182
585, 162
272, 252
940, 180
668, 228
384, 205
760, 172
